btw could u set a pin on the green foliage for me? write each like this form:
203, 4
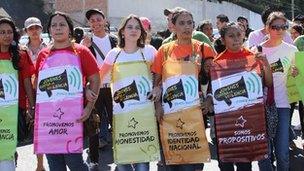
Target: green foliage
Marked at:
259, 5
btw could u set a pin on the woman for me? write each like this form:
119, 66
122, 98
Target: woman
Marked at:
16, 65
280, 55
129, 63
63, 56
232, 36
296, 30
206, 27
184, 54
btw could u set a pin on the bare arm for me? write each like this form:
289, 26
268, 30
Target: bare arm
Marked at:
94, 84
159, 112
267, 73
30, 94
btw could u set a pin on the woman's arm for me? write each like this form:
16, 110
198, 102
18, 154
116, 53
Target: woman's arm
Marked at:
30, 94
159, 112
266, 69
94, 85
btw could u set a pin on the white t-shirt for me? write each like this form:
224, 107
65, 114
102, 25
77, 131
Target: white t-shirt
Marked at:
104, 45
280, 59
148, 52
257, 37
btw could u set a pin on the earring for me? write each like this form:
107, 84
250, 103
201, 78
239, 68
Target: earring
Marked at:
123, 36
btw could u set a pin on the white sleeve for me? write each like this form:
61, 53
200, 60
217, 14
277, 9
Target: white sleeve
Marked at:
149, 53
111, 56
287, 38
252, 39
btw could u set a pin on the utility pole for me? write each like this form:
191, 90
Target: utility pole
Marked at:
292, 9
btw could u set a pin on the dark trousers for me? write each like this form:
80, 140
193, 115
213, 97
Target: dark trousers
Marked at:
228, 166
93, 148
104, 107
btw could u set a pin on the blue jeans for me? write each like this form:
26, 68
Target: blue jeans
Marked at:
136, 166
280, 143
184, 167
266, 164
58, 162
7, 165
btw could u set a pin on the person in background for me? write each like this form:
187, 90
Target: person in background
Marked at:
155, 41
221, 21
197, 35
258, 36
245, 22
299, 19
78, 33
296, 30
207, 29
33, 29
100, 43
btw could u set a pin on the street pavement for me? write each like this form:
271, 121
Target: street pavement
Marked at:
27, 161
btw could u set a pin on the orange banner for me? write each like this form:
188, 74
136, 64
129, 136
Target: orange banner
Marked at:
183, 137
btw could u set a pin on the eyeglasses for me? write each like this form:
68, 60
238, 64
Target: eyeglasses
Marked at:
279, 27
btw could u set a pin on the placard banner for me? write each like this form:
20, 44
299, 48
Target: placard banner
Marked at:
239, 110
9, 94
135, 136
236, 91
59, 104
241, 134
300, 78
183, 137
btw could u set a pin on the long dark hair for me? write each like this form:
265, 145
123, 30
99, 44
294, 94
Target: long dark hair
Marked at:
68, 20
13, 48
143, 35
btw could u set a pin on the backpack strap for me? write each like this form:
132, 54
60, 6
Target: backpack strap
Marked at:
113, 41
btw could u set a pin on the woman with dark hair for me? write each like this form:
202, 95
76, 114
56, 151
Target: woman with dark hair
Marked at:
281, 57
130, 63
296, 30
62, 71
206, 27
16, 70
174, 63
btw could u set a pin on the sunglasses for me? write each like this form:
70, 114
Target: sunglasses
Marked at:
279, 27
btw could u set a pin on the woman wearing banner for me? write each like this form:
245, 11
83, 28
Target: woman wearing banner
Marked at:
16, 70
135, 139
280, 55
62, 70
233, 39
176, 69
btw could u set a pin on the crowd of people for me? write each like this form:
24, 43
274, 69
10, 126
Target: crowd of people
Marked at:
107, 61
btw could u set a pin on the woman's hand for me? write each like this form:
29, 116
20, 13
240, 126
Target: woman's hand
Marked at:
159, 112
155, 94
207, 105
85, 115
259, 56
90, 95
86, 41
294, 71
